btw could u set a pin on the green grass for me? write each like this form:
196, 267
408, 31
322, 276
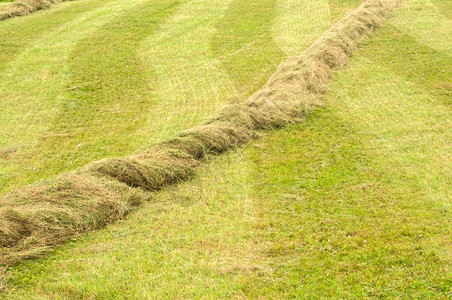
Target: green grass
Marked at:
339, 8
33, 86
430, 72
428, 16
353, 203
187, 82
106, 102
244, 46
20, 33
56, 70
303, 21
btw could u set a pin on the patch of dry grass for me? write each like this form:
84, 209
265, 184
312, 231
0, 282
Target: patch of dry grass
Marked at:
25, 7
38, 217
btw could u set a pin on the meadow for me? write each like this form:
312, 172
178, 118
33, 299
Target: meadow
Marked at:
354, 202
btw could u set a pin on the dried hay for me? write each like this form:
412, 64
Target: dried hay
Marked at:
25, 7
38, 217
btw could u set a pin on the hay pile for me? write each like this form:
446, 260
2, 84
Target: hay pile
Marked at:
25, 7
36, 218
41, 216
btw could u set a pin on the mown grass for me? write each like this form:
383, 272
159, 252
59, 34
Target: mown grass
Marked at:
53, 94
178, 83
341, 7
427, 15
42, 134
353, 203
304, 21
336, 223
431, 73
107, 100
188, 83
367, 180
19, 33
244, 45
52, 78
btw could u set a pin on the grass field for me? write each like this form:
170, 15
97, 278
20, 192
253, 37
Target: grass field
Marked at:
176, 72
355, 202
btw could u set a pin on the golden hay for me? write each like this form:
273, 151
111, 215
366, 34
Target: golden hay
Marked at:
38, 217
25, 7
149, 171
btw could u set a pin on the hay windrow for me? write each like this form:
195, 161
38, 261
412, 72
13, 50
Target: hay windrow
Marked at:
25, 7
36, 218
150, 171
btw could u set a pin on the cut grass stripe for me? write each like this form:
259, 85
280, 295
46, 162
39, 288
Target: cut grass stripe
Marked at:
428, 68
32, 87
188, 82
299, 23
17, 34
420, 18
243, 44
106, 100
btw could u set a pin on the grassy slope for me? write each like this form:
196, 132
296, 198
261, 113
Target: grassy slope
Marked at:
355, 202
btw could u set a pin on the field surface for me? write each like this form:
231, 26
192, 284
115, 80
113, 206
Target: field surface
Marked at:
355, 202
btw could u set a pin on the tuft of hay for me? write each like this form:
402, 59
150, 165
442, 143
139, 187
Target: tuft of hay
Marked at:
25, 7
3, 278
36, 218
150, 171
